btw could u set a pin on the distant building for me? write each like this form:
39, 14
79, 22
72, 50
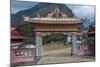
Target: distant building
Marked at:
15, 32
91, 39
87, 47
22, 50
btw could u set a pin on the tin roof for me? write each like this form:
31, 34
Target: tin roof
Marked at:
16, 34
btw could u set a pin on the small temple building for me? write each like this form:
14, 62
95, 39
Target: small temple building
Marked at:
91, 39
21, 50
87, 46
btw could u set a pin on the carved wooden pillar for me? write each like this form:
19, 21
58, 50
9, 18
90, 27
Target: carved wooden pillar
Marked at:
38, 46
74, 44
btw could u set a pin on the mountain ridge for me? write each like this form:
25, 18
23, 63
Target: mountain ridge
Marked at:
42, 8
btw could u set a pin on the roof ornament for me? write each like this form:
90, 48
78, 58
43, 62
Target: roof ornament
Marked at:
26, 18
57, 13
38, 15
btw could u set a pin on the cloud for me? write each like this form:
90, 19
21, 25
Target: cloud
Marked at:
20, 5
82, 11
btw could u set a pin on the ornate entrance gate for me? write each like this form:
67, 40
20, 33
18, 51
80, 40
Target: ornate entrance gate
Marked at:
56, 21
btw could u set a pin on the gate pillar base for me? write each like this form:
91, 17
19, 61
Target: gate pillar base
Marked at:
38, 50
74, 44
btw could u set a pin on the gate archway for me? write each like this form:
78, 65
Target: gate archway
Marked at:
54, 23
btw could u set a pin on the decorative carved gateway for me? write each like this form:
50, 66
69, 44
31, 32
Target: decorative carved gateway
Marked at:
56, 21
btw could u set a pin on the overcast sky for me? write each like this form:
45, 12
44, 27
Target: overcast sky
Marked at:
80, 11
